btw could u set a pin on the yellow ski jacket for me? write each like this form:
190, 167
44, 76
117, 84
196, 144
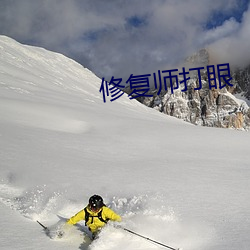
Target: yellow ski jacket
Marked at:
94, 223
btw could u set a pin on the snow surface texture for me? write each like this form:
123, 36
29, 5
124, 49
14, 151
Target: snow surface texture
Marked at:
182, 185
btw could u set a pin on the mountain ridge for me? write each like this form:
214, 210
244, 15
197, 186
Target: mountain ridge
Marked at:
212, 107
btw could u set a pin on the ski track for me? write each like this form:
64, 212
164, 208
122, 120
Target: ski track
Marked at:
145, 214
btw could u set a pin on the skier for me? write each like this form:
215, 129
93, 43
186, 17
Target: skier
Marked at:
95, 214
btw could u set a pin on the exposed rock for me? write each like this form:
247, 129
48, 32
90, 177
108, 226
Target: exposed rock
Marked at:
200, 58
242, 81
207, 107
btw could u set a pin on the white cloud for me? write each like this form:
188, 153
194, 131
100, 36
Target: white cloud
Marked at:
97, 33
226, 29
235, 47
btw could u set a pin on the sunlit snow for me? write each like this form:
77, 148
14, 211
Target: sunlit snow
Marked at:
182, 185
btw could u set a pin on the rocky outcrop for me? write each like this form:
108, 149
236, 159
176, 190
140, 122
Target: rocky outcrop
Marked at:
242, 81
205, 107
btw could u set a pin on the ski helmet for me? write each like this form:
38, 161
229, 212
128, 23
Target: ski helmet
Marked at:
95, 202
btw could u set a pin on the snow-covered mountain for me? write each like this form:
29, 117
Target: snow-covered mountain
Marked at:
182, 185
207, 107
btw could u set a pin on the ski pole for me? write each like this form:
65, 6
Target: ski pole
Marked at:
146, 238
45, 228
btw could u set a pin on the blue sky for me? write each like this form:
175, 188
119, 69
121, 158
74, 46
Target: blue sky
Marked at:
218, 17
119, 38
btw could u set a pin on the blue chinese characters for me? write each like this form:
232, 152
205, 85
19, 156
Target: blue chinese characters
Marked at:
140, 84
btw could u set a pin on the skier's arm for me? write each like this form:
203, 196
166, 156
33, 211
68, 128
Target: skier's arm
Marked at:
110, 214
77, 217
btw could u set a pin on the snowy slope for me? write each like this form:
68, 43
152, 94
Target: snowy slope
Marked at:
176, 183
